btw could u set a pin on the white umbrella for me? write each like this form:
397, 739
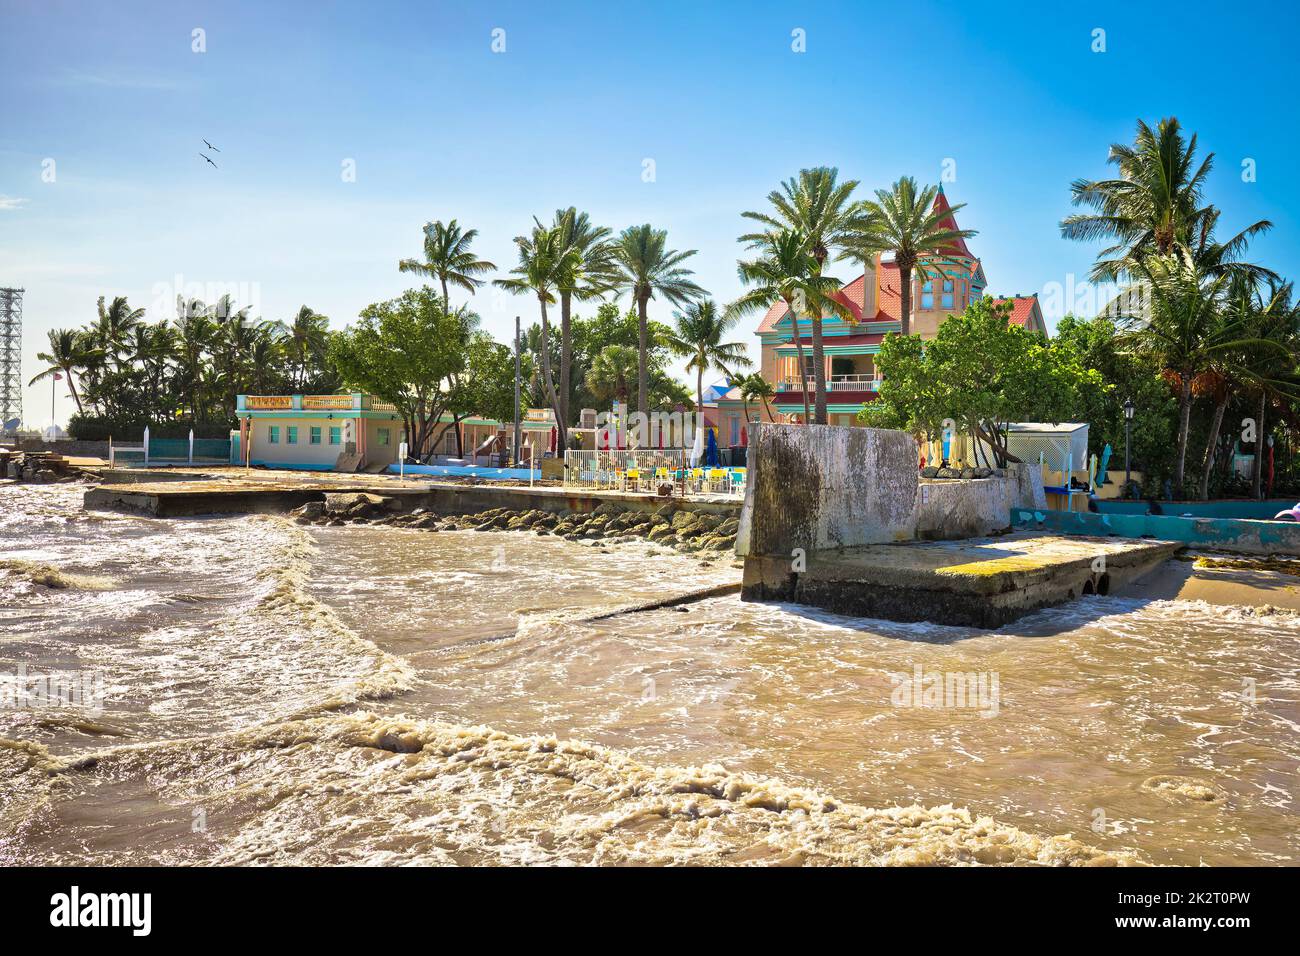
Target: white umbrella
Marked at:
697, 450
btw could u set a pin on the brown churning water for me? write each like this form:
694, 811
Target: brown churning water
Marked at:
275, 694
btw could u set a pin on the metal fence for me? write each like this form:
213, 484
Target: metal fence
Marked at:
647, 472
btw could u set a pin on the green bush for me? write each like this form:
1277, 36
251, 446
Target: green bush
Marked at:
101, 428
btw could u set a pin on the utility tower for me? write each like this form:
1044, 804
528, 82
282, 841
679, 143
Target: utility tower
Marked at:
11, 355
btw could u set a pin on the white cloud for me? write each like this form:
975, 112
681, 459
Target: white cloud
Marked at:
10, 202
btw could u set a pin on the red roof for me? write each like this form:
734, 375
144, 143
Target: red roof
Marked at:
958, 248
1024, 311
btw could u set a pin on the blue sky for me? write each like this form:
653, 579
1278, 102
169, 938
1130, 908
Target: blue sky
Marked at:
440, 126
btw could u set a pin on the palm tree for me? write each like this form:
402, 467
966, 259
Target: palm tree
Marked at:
755, 387
1153, 207
114, 326
306, 338
448, 258
698, 334
646, 267
815, 205
787, 272
904, 220
589, 276
611, 372
1184, 330
544, 261
67, 355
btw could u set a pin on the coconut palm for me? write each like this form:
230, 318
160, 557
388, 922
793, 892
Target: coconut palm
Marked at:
544, 262
904, 220
698, 334
589, 276
645, 267
1153, 207
68, 353
113, 328
787, 272
447, 257
754, 387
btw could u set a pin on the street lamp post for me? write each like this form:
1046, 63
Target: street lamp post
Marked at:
1128, 423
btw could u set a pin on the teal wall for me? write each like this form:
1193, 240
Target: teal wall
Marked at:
1202, 509
1225, 534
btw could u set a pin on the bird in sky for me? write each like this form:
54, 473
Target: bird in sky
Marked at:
210, 146
214, 165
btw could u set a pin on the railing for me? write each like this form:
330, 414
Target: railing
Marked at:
648, 471
834, 383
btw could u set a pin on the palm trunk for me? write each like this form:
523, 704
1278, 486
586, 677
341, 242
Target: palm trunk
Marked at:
803, 368
566, 365
1257, 481
1184, 425
446, 298
905, 299
819, 369
547, 380
699, 394
768, 406
643, 355
72, 390
1212, 445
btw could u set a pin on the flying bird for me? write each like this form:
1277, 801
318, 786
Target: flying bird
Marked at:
210, 146
214, 165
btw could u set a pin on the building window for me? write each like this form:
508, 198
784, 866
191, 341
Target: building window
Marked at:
947, 293
314, 437
336, 436
927, 295
735, 432
291, 434
273, 434
383, 436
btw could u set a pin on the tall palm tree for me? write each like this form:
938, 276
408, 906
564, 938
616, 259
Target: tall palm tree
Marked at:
544, 261
698, 334
754, 387
306, 336
646, 267
448, 258
814, 204
904, 220
589, 275
787, 272
1153, 207
68, 353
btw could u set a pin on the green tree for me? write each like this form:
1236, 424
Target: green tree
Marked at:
69, 351
983, 372
448, 258
645, 268
754, 387
405, 350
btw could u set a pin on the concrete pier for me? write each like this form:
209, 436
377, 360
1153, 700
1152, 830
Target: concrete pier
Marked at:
175, 497
979, 582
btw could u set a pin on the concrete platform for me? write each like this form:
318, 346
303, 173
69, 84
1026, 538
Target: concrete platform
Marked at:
979, 582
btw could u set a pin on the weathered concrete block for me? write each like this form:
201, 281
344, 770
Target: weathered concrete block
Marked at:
824, 487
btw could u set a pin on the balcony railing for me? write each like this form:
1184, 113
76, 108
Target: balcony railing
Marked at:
834, 383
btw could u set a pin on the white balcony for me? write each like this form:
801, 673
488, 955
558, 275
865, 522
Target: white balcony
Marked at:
834, 383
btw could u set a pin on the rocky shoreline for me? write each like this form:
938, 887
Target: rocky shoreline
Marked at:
689, 532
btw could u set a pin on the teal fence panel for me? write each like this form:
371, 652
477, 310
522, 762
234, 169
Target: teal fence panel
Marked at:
1242, 535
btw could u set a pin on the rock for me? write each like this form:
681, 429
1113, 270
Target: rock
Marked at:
660, 533
311, 510
983, 472
355, 502
610, 508
929, 471
729, 527
723, 544
684, 519
948, 473
45, 476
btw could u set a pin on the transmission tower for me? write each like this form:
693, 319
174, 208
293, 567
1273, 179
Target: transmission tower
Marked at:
11, 355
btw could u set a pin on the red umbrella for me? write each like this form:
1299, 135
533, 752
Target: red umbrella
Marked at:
744, 435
